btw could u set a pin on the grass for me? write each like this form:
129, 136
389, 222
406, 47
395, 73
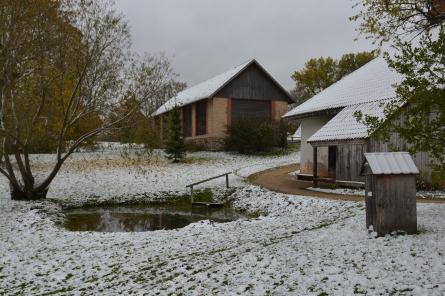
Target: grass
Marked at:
203, 195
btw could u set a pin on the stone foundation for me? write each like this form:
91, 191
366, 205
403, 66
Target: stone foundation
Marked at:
205, 143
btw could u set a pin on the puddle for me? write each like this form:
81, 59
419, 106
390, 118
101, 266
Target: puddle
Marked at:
137, 218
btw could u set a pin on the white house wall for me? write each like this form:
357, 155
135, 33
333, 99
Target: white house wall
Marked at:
310, 126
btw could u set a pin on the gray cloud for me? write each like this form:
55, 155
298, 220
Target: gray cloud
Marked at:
206, 37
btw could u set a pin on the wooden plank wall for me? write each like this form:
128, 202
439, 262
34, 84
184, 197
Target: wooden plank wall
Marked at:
350, 158
395, 202
396, 143
253, 83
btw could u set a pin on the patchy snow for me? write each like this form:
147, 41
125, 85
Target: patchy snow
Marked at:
361, 192
100, 176
297, 246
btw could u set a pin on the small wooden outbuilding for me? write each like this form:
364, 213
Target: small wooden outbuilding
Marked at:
390, 192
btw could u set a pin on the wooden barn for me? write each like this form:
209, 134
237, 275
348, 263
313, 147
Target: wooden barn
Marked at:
332, 138
247, 91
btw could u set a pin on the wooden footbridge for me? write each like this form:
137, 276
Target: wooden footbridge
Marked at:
207, 204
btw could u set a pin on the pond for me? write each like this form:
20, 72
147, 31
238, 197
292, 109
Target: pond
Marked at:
137, 218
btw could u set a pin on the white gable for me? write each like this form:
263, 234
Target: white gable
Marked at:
372, 82
202, 90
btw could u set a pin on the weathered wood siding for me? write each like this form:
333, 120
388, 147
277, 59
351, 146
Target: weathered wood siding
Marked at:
253, 83
396, 143
392, 205
350, 159
250, 110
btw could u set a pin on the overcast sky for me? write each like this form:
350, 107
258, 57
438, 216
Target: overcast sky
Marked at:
206, 37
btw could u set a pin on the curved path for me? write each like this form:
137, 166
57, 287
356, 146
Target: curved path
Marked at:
279, 180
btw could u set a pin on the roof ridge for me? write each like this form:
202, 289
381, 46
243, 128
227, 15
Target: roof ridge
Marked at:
221, 73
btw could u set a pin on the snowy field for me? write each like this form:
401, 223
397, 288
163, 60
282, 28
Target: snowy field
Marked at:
437, 194
300, 246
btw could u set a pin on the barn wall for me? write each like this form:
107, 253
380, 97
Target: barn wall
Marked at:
280, 108
396, 143
218, 117
253, 83
350, 158
310, 126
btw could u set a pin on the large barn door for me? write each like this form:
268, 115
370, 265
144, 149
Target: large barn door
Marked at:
243, 109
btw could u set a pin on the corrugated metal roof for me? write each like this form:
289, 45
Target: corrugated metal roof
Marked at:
209, 88
391, 163
372, 82
344, 126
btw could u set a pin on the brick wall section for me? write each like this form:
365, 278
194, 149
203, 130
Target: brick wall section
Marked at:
280, 108
218, 115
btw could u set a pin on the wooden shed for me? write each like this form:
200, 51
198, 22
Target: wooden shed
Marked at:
390, 192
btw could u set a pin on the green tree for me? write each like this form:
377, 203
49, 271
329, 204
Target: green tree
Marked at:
320, 73
416, 32
175, 145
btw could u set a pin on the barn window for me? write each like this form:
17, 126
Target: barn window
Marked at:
201, 117
187, 121
164, 118
243, 109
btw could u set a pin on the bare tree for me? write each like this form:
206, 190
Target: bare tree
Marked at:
62, 63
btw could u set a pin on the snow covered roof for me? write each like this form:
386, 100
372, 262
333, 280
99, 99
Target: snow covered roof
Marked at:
208, 88
387, 163
344, 126
372, 82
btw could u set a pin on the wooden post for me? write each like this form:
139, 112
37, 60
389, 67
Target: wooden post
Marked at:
314, 167
191, 193
227, 180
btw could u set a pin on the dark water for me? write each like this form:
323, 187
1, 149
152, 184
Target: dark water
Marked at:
143, 218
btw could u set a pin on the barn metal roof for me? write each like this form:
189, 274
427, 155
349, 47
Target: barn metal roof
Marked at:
344, 126
389, 163
372, 82
209, 88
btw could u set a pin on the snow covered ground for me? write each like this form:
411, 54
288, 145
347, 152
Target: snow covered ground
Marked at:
351, 191
303, 246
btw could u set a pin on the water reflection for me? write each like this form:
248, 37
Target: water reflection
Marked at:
143, 218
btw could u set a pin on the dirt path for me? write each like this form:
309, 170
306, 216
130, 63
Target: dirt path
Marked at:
279, 180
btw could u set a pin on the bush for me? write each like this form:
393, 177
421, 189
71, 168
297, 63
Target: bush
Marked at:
253, 136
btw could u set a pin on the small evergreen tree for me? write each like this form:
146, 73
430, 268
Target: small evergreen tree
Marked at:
175, 145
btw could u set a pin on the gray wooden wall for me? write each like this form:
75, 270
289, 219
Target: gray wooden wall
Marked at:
253, 83
396, 143
350, 158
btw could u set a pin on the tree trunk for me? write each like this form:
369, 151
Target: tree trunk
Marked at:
20, 193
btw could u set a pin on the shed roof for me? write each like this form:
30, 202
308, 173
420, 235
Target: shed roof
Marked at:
344, 126
391, 163
210, 87
372, 82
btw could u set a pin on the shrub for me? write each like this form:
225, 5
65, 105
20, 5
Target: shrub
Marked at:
253, 136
